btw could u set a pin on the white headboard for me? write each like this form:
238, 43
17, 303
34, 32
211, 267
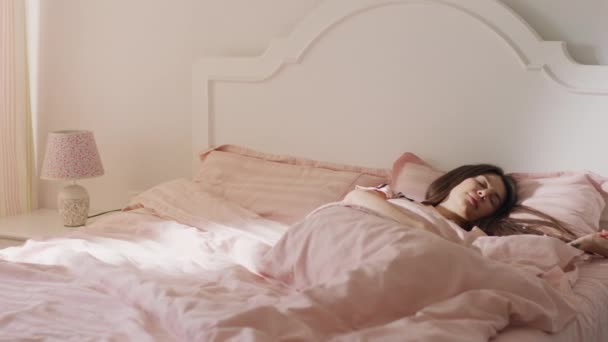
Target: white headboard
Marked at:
455, 81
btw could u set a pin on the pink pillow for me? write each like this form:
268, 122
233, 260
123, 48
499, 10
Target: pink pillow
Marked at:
576, 198
276, 187
412, 176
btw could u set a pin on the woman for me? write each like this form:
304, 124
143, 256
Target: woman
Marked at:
483, 196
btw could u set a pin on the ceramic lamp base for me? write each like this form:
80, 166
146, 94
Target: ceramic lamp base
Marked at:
73, 205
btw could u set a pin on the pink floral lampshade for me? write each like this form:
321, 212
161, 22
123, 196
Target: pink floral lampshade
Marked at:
71, 155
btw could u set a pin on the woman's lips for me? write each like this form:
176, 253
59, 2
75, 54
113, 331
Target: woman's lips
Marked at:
473, 201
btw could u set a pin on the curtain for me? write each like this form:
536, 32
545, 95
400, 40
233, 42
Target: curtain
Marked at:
16, 140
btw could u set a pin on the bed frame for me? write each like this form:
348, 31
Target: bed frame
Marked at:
455, 81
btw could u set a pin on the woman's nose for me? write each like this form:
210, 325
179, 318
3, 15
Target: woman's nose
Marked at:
482, 193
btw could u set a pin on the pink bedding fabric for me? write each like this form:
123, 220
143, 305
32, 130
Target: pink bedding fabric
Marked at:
286, 159
409, 280
591, 297
279, 187
191, 273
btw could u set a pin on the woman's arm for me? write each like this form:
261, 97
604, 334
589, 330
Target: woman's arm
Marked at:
376, 201
594, 243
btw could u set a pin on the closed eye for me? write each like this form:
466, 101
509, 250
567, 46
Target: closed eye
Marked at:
495, 198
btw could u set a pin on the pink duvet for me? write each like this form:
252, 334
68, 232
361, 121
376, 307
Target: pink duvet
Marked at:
187, 266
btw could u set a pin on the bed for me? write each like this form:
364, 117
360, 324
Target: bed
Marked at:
263, 242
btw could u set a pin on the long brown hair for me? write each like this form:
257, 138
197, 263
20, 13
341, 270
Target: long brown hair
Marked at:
499, 223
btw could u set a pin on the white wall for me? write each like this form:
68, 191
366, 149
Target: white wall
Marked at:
122, 69
581, 24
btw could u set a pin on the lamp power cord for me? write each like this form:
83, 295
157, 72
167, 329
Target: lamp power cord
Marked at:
105, 212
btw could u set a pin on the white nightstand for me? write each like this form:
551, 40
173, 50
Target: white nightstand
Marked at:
14, 230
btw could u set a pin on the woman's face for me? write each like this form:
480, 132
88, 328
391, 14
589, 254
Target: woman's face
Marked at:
476, 197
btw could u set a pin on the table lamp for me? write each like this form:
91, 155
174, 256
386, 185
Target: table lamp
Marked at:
72, 155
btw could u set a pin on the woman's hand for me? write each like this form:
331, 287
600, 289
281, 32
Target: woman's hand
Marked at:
595, 243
